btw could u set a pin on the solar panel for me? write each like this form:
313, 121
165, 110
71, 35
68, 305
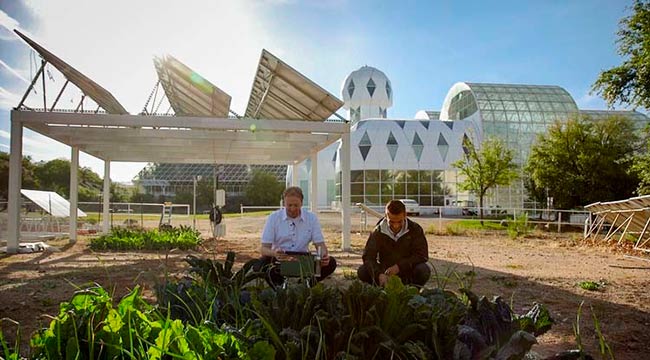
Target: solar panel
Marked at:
51, 202
625, 217
90, 88
189, 93
282, 93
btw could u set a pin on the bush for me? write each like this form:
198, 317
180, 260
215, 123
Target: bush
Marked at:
183, 237
519, 227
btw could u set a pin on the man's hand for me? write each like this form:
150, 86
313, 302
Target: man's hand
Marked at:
393, 270
325, 259
383, 279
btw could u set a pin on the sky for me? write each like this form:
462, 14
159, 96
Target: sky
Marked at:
424, 47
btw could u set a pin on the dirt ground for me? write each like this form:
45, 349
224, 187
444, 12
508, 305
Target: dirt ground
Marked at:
545, 267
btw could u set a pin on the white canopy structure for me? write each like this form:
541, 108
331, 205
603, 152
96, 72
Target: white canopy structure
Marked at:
285, 137
629, 217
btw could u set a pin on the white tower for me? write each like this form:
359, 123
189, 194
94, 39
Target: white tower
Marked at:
367, 93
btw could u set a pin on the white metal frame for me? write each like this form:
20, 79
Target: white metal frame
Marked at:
175, 140
625, 217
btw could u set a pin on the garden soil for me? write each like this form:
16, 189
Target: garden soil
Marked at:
544, 267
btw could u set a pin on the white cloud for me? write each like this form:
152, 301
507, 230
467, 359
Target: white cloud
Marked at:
8, 22
8, 100
13, 71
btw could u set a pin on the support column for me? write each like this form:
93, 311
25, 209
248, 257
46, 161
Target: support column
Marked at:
313, 191
74, 193
107, 196
294, 174
15, 183
345, 190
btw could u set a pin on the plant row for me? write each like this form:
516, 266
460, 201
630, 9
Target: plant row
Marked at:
183, 237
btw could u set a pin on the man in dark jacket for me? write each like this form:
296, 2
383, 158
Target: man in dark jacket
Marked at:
397, 246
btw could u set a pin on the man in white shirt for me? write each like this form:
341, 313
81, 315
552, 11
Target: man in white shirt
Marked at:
291, 229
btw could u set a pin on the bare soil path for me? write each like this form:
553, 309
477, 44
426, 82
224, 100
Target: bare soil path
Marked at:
545, 268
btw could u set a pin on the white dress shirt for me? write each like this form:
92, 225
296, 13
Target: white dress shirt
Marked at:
292, 234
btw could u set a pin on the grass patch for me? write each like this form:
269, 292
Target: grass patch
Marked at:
514, 266
591, 285
476, 225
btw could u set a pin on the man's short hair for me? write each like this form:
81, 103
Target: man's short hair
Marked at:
293, 191
395, 207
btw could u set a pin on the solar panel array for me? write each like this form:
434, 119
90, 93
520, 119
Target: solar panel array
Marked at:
627, 219
152, 174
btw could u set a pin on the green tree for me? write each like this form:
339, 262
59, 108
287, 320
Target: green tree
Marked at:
583, 161
641, 166
629, 83
485, 168
29, 179
263, 189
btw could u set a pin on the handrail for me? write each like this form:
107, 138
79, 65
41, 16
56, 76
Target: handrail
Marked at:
370, 211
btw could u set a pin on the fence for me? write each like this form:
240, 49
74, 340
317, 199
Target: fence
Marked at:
548, 218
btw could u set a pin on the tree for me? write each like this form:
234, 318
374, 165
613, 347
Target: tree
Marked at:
583, 161
485, 168
29, 179
641, 166
629, 83
263, 189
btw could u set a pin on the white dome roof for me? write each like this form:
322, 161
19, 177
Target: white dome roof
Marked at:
367, 86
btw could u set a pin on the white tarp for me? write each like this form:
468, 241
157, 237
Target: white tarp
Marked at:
51, 202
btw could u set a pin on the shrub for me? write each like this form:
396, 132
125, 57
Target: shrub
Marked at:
519, 227
183, 237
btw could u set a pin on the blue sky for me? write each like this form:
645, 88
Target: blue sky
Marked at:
424, 47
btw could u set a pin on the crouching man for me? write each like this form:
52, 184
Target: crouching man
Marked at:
396, 246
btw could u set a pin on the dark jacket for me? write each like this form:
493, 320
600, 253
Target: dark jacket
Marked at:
382, 252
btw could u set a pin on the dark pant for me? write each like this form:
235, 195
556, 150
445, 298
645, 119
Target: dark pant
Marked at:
269, 264
418, 276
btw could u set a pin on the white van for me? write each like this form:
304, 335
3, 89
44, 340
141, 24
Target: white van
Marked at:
412, 206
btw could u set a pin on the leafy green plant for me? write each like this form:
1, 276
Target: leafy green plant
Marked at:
518, 227
90, 327
183, 237
591, 285
10, 353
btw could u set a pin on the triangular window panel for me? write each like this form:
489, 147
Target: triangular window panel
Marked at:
417, 149
392, 150
364, 149
371, 86
364, 145
388, 89
443, 147
450, 124
365, 139
425, 123
351, 87
391, 139
417, 146
400, 123
417, 140
392, 145
466, 140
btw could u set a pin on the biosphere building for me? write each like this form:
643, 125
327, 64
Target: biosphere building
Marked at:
394, 158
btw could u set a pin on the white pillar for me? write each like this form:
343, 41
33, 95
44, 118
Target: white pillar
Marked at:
74, 193
107, 196
313, 191
15, 183
294, 174
345, 190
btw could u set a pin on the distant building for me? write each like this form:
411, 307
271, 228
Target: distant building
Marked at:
407, 158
